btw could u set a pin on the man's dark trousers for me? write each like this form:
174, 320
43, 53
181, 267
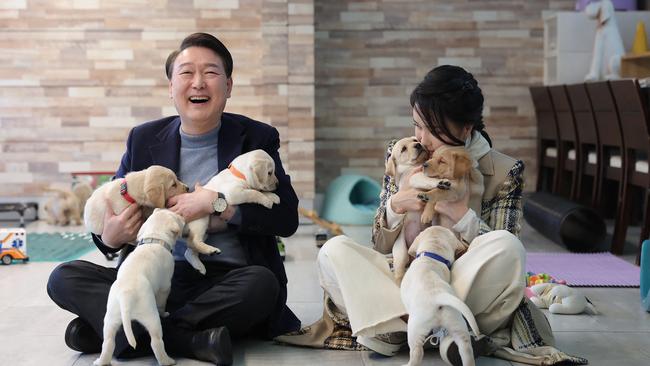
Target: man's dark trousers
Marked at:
240, 299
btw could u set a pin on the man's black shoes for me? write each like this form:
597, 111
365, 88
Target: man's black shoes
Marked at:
213, 345
81, 337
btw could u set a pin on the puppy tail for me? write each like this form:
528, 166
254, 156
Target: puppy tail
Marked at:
453, 302
126, 321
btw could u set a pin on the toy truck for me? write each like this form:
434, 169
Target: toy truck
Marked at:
13, 245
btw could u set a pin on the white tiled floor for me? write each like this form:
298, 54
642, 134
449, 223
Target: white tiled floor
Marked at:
32, 327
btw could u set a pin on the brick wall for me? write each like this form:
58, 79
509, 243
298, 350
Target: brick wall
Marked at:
371, 54
332, 76
76, 75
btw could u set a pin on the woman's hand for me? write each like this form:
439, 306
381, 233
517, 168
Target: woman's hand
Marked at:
122, 228
453, 210
406, 199
193, 205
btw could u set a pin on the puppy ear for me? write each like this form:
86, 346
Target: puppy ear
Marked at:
461, 164
259, 173
391, 167
155, 193
154, 189
461, 248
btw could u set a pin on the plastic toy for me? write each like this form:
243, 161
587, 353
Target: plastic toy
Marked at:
14, 245
539, 278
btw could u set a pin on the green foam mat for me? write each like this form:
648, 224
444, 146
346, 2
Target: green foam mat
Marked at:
58, 247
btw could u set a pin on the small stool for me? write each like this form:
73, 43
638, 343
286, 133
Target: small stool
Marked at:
20, 208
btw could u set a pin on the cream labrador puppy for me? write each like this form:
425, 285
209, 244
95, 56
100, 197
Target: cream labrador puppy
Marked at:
142, 286
430, 300
150, 187
250, 178
407, 154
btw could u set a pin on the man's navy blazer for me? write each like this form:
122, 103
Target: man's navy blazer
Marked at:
158, 143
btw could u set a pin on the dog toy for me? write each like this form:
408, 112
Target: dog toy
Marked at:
559, 299
539, 278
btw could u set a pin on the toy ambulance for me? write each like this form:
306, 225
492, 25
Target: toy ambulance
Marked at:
14, 245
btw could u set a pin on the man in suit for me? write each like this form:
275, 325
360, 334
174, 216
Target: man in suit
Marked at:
244, 290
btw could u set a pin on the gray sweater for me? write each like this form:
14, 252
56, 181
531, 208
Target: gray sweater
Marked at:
198, 163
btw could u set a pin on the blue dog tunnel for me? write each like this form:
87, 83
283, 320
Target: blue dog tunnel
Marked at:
351, 200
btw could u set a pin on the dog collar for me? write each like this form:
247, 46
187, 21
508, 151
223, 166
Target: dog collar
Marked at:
124, 192
434, 256
155, 241
236, 172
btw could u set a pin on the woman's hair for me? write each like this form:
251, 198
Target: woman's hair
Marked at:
204, 40
449, 95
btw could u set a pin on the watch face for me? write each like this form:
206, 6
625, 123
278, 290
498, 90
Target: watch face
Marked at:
219, 204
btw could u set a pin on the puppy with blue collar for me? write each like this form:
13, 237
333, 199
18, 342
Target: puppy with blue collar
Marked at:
142, 286
430, 300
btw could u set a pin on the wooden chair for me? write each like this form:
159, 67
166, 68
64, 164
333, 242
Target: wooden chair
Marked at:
568, 144
632, 112
610, 151
548, 167
587, 158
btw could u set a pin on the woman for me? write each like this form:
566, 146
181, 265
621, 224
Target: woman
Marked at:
361, 296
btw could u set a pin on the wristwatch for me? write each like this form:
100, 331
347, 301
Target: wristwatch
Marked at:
219, 204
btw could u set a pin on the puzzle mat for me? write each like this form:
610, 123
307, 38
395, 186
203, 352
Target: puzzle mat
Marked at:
585, 269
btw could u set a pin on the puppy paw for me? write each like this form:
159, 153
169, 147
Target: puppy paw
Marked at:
163, 314
423, 197
426, 218
444, 184
167, 361
273, 197
215, 251
200, 268
266, 202
99, 362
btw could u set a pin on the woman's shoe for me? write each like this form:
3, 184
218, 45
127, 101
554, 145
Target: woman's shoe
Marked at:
387, 344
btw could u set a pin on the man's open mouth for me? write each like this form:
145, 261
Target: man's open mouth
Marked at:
199, 99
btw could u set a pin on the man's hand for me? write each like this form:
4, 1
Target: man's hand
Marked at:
193, 205
122, 228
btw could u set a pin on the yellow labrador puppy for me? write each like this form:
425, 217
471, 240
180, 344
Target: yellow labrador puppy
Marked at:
250, 178
149, 188
407, 154
142, 286
430, 300
63, 208
457, 174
